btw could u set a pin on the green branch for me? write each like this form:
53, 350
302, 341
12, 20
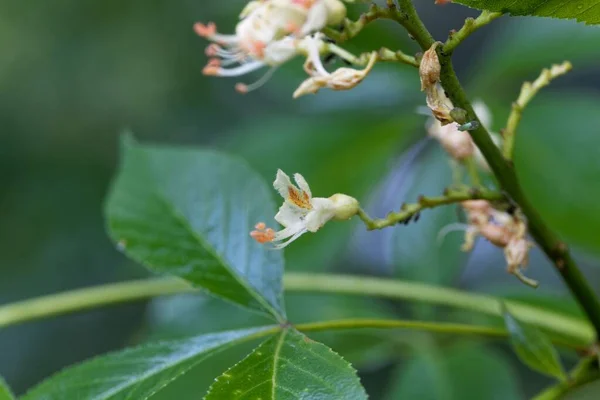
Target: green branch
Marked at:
528, 92
470, 26
409, 211
553, 247
88, 298
103, 295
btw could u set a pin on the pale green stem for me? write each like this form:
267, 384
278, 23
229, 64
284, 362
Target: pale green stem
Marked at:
437, 327
426, 326
528, 92
408, 211
470, 26
473, 172
87, 298
574, 328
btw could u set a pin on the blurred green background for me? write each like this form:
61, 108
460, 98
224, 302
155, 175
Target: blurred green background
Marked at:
74, 74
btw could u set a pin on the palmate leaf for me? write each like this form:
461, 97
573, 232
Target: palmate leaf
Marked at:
587, 11
289, 366
137, 373
188, 213
5, 393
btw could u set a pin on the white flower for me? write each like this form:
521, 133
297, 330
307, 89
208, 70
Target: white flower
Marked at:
340, 79
267, 35
301, 213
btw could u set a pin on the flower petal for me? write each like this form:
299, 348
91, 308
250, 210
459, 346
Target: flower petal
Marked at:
289, 214
302, 184
282, 183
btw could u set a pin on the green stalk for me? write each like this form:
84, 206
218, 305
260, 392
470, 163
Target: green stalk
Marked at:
109, 294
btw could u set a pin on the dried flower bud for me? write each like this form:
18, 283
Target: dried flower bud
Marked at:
439, 104
341, 79
430, 68
516, 253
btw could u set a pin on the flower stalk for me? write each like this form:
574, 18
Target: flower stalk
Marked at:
470, 26
528, 92
410, 211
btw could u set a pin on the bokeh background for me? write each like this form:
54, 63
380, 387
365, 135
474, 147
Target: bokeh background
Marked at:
75, 74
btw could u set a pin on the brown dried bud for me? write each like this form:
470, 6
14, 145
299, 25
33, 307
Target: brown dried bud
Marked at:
430, 68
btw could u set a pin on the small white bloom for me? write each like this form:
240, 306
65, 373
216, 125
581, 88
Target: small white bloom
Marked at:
267, 35
301, 213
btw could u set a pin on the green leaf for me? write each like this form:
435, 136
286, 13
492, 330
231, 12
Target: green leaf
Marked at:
289, 366
461, 371
587, 11
137, 373
556, 159
188, 212
533, 347
5, 393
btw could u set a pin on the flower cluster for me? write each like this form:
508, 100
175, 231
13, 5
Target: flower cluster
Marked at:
503, 230
272, 32
301, 213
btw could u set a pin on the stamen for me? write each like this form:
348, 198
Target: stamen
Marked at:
212, 68
449, 229
290, 240
213, 50
262, 234
205, 31
241, 70
243, 88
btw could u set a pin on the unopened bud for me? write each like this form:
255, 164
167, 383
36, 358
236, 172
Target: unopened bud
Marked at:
459, 115
336, 12
439, 104
430, 68
345, 207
